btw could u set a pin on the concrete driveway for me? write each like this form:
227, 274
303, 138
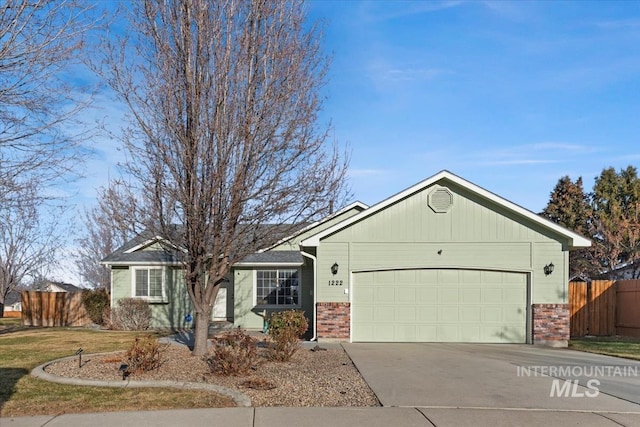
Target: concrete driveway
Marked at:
500, 376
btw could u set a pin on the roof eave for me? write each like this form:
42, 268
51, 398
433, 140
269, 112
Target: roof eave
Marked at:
138, 263
268, 264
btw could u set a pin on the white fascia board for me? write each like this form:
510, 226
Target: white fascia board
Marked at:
575, 240
268, 264
356, 204
150, 242
139, 263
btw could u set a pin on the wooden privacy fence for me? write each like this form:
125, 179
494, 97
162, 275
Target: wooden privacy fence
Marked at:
53, 309
628, 308
604, 308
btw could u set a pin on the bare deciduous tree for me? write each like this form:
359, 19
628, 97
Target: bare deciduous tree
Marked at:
102, 233
27, 244
224, 100
39, 41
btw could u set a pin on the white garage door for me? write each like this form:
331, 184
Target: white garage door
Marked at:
446, 305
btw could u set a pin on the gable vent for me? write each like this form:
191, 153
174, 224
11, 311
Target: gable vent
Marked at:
440, 200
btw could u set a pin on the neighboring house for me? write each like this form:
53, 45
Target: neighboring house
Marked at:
49, 286
13, 302
626, 271
442, 261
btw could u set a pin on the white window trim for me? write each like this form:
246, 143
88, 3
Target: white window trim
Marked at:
163, 298
276, 306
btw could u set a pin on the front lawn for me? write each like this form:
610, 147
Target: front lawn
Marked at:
629, 348
22, 349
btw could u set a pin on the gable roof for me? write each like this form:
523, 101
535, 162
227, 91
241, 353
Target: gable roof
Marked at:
130, 253
133, 251
12, 297
48, 285
280, 258
575, 240
355, 205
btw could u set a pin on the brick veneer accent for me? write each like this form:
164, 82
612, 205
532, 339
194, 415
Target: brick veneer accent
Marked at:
551, 324
333, 320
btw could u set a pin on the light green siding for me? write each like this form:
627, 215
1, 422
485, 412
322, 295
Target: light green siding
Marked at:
470, 219
249, 316
475, 233
440, 305
120, 284
293, 244
168, 314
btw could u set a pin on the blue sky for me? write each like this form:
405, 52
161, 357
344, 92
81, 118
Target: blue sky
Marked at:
509, 95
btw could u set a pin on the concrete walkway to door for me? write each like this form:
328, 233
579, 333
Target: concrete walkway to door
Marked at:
500, 378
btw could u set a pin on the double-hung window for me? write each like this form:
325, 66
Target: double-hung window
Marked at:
278, 287
148, 283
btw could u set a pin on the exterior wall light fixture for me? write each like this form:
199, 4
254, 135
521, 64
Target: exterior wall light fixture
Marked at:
548, 269
334, 268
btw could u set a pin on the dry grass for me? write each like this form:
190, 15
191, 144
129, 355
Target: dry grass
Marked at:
628, 348
21, 350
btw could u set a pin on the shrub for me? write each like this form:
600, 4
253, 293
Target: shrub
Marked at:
95, 302
145, 354
285, 330
232, 353
131, 314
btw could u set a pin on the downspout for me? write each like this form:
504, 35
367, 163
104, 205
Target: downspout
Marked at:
315, 287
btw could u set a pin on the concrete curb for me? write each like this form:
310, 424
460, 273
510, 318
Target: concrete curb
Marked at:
241, 399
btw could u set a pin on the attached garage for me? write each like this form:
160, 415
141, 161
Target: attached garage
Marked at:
443, 261
439, 305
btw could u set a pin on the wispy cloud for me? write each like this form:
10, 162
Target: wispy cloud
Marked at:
563, 146
408, 73
510, 162
360, 173
547, 152
619, 24
385, 12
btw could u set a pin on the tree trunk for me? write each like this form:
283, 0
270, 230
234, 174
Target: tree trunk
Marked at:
1, 310
201, 335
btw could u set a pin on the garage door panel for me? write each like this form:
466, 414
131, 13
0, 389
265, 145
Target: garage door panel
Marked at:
449, 276
406, 294
470, 334
470, 295
448, 295
448, 313
365, 295
405, 332
492, 314
384, 332
471, 314
405, 276
385, 313
471, 276
426, 313
384, 294
426, 295
439, 306
448, 333
492, 296
363, 313
426, 276
405, 314
426, 333
512, 314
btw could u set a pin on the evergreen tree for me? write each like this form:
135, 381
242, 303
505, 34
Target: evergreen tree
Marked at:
569, 207
615, 222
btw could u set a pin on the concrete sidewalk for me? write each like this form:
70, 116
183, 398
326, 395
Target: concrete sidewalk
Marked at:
338, 417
